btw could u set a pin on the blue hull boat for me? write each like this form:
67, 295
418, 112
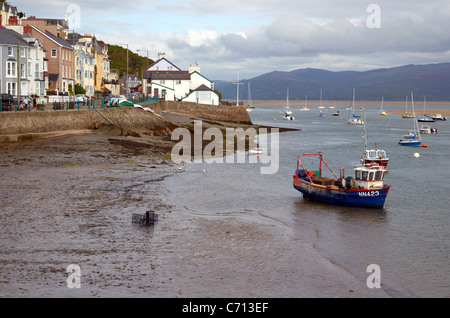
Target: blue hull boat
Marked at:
353, 198
365, 189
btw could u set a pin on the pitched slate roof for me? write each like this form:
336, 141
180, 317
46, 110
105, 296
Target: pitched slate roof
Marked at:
11, 37
167, 75
58, 40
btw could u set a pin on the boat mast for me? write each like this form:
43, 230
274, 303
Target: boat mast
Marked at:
416, 125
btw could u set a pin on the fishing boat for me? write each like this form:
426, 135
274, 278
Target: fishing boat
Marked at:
407, 115
321, 114
413, 138
355, 120
382, 112
365, 188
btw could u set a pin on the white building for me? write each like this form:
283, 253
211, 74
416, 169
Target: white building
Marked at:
25, 63
167, 81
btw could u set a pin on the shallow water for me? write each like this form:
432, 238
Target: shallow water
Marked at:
408, 239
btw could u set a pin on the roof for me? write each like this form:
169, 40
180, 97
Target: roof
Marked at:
11, 37
195, 72
203, 87
163, 59
58, 40
167, 75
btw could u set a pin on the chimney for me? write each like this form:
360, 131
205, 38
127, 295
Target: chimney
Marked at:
27, 29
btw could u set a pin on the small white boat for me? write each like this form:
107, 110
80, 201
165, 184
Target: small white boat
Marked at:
288, 117
425, 129
355, 120
382, 112
439, 117
256, 151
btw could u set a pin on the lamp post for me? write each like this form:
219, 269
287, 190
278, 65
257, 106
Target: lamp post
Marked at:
127, 67
144, 90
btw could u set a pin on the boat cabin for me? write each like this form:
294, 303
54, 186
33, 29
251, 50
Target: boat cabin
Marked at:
369, 176
377, 156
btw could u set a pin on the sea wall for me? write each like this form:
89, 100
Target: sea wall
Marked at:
17, 126
116, 121
232, 114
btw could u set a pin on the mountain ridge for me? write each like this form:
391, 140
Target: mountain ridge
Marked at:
394, 84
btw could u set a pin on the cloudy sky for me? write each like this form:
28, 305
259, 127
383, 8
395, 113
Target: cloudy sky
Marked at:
253, 37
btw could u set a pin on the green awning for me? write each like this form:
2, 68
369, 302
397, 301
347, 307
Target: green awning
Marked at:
126, 103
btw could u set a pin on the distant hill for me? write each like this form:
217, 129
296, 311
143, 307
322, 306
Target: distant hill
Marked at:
431, 80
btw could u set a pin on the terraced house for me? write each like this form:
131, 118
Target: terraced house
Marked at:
22, 66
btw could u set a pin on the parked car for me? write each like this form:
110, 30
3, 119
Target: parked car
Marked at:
7, 101
81, 98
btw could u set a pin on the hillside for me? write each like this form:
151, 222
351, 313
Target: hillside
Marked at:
118, 57
431, 80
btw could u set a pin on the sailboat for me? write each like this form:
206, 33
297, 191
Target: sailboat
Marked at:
425, 118
355, 120
382, 112
321, 106
250, 103
335, 112
321, 113
305, 108
407, 115
288, 112
413, 138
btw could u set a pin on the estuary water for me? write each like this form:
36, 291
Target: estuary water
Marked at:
408, 239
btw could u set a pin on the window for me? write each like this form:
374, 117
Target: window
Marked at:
11, 68
162, 82
178, 82
22, 52
22, 70
10, 51
11, 88
53, 52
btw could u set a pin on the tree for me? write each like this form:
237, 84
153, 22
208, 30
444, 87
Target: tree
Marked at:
79, 89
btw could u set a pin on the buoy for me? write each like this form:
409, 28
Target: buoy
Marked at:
416, 155
424, 145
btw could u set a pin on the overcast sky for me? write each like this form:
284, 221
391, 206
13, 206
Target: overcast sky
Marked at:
254, 37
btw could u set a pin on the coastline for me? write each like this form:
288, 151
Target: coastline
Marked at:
339, 103
69, 199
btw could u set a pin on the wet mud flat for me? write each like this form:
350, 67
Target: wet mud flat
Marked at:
70, 200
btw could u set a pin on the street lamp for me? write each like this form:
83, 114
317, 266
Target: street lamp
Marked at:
127, 66
144, 90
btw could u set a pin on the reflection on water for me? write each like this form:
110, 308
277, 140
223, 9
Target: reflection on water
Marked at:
408, 239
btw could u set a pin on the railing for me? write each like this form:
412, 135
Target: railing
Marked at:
70, 105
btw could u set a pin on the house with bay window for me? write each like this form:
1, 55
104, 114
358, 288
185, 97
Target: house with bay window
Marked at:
22, 64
